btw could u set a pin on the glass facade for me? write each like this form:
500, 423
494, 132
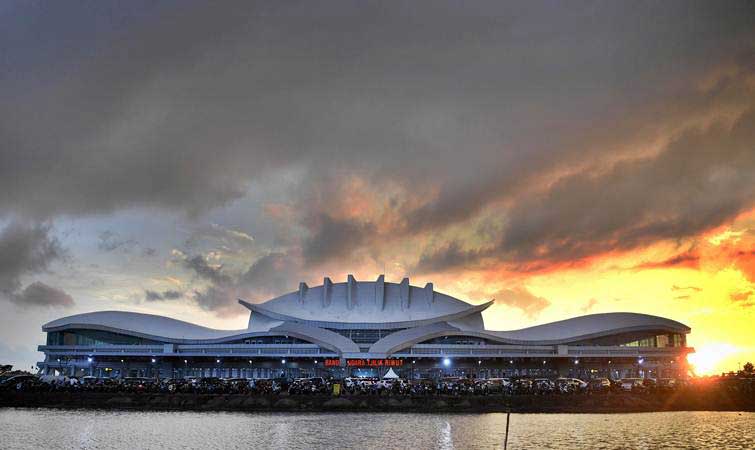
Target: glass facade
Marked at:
458, 340
263, 340
95, 338
365, 336
362, 337
660, 341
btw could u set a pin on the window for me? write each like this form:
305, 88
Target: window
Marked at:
95, 338
364, 336
457, 340
265, 340
660, 341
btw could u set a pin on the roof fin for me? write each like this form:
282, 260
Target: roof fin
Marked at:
302, 291
327, 289
429, 293
405, 292
380, 292
351, 297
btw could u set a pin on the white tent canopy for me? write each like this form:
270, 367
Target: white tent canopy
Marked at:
390, 374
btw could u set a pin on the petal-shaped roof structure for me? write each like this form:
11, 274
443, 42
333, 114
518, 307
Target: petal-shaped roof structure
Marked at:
360, 302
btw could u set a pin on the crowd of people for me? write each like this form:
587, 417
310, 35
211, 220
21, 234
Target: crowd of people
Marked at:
741, 383
349, 386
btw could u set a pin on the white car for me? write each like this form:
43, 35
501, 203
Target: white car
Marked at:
628, 384
499, 382
570, 384
579, 383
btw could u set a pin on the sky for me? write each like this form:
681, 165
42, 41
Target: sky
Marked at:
562, 158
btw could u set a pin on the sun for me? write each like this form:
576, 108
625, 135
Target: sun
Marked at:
707, 359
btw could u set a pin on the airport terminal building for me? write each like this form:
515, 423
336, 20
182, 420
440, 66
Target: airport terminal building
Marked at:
363, 328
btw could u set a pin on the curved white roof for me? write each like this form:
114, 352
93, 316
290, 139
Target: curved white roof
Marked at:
360, 302
148, 326
420, 314
592, 325
562, 332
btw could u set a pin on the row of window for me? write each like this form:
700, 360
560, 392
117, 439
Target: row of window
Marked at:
662, 340
458, 340
264, 340
364, 336
97, 338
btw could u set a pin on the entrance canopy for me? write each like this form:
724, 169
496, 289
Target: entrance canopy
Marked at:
390, 374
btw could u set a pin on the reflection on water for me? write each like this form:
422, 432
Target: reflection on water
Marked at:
59, 429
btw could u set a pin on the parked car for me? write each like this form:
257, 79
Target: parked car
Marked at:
210, 384
138, 384
543, 385
282, 383
631, 384
498, 385
567, 385
650, 383
88, 380
599, 384
667, 383
522, 386
236, 385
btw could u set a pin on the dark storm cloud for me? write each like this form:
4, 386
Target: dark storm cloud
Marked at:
203, 269
688, 259
171, 295
567, 197
185, 106
450, 256
701, 179
153, 296
181, 105
333, 238
27, 249
42, 295
270, 275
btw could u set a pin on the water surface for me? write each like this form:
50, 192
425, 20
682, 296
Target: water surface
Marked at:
61, 429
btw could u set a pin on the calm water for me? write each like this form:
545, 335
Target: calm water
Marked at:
44, 428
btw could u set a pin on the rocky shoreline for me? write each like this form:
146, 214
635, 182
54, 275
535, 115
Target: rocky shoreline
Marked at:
603, 403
